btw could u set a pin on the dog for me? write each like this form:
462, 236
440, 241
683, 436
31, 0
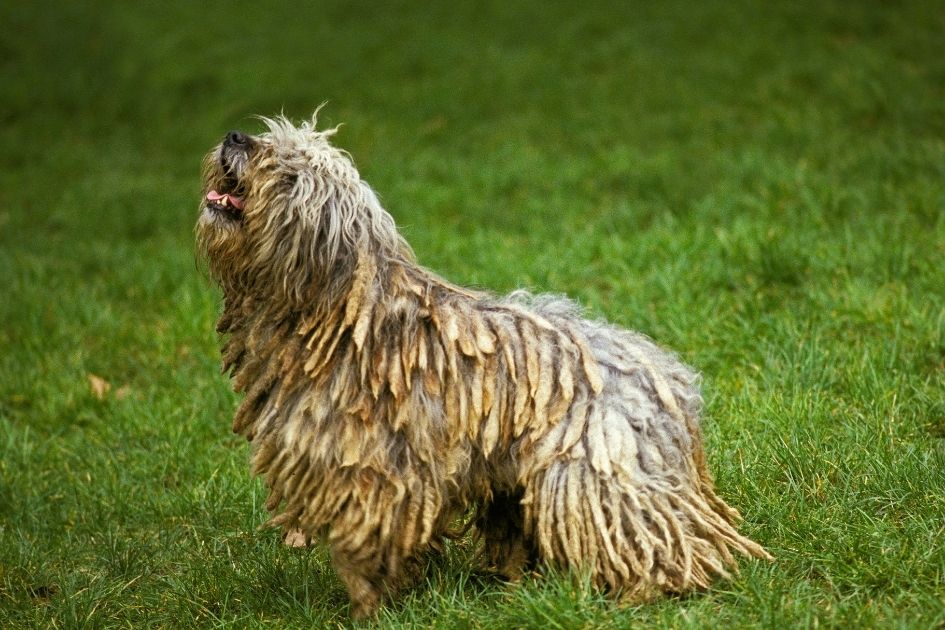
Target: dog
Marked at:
383, 403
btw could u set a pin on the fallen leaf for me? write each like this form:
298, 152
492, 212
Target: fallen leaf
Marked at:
99, 386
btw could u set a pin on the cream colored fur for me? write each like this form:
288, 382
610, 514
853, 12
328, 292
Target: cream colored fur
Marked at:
383, 402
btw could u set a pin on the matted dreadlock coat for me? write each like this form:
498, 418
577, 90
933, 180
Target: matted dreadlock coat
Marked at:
382, 401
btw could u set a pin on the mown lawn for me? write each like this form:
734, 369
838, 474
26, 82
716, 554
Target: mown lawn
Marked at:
762, 189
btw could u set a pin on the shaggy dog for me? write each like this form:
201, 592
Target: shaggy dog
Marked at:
383, 402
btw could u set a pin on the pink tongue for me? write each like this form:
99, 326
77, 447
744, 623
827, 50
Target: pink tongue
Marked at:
236, 202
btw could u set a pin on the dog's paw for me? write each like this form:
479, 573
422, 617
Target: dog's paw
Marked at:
295, 538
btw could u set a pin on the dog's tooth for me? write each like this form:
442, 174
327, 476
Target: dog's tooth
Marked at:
225, 200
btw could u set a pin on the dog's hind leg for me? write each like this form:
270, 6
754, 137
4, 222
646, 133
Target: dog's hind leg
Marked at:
635, 537
506, 551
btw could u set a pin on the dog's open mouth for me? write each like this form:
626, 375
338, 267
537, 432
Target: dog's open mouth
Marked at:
227, 204
228, 196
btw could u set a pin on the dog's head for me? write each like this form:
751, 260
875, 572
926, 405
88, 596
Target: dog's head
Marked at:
285, 214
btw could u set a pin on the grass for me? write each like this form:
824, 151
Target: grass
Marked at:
762, 189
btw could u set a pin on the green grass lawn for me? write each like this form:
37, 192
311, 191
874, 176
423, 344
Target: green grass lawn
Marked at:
761, 189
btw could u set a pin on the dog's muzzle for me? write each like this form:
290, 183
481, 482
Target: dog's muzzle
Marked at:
234, 155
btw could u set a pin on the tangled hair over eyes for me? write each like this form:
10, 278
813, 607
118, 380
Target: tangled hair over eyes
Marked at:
308, 215
383, 402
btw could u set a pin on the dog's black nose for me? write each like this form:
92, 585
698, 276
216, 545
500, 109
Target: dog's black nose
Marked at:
236, 138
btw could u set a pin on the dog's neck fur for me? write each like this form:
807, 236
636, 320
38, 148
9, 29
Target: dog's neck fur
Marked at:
274, 345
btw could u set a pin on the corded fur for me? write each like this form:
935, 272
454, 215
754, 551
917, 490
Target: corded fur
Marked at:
382, 401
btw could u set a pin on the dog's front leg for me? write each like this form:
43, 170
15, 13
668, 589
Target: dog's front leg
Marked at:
379, 535
362, 576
